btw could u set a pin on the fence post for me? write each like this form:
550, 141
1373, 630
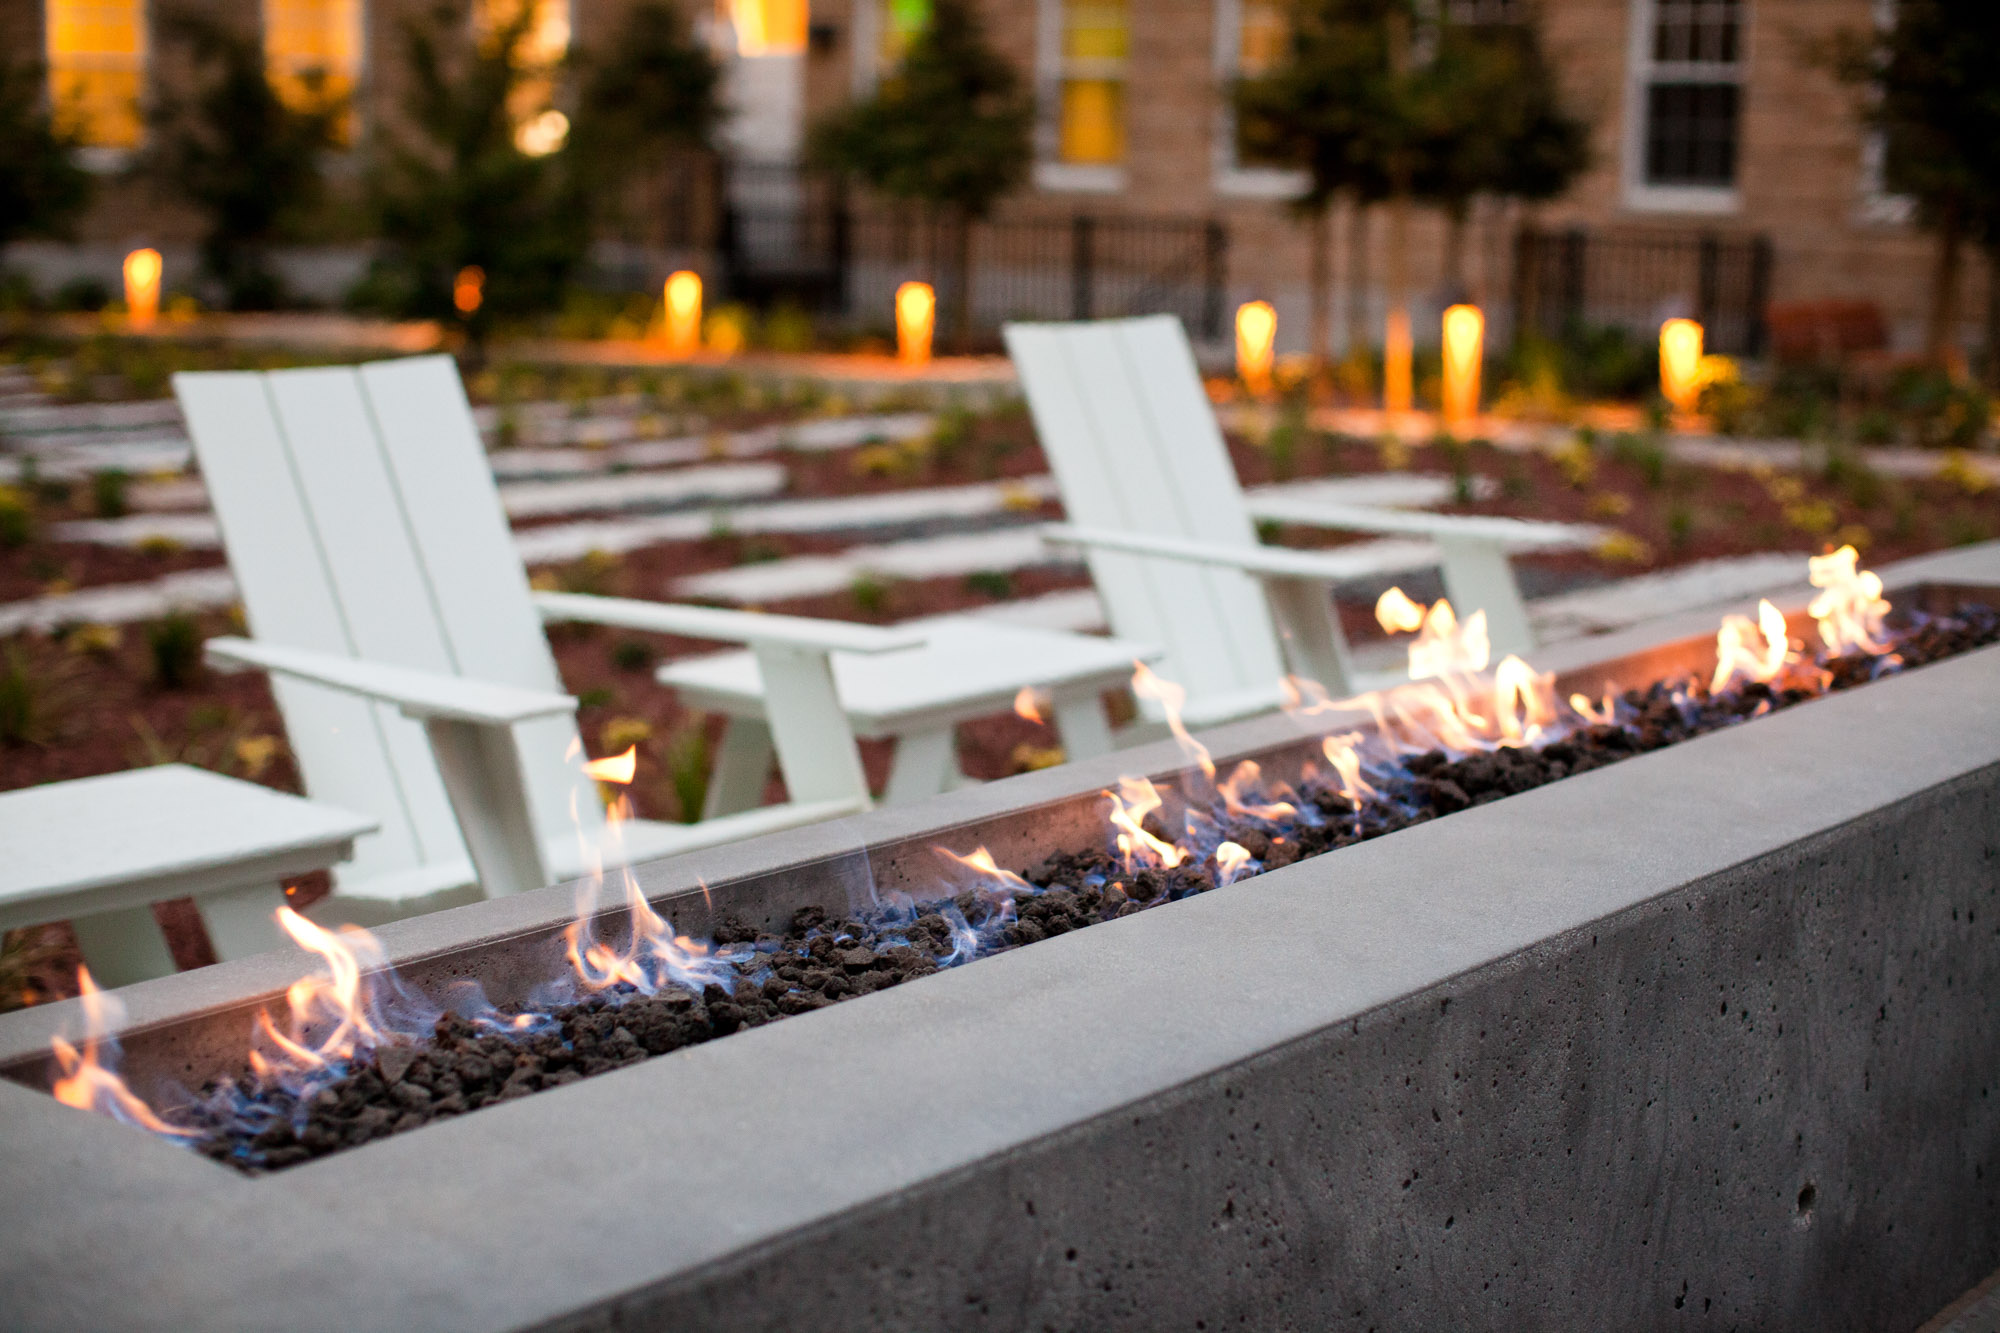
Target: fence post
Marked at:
1082, 260
1762, 258
1575, 275
1708, 281
1214, 277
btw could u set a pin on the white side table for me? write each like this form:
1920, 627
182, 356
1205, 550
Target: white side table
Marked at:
98, 852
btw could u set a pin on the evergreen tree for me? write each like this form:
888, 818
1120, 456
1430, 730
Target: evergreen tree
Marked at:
451, 187
237, 153
42, 190
1932, 95
948, 129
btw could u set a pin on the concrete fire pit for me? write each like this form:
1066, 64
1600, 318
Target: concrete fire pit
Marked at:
1707, 1037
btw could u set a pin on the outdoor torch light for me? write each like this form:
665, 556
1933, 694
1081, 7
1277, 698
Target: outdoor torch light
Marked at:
468, 289
916, 318
1464, 345
1398, 370
684, 313
1680, 364
1256, 343
142, 287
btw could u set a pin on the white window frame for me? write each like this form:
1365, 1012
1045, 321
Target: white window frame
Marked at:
1052, 174
1231, 178
1877, 205
864, 37
1642, 72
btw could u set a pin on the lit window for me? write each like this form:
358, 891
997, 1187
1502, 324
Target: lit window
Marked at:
97, 56
1091, 125
312, 49
547, 38
538, 128
1260, 42
1691, 72
767, 27
902, 20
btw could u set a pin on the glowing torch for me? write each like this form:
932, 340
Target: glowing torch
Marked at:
1256, 344
916, 318
1464, 346
468, 289
684, 313
1680, 364
142, 287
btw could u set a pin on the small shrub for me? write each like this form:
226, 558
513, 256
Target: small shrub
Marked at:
789, 329
631, 655
592, 575
109, 493
759, 551
175, 644
22, 720
870, 592
1622, 548
952, 433
1680, 525
622, 733
689, 767
17, 517
994, 583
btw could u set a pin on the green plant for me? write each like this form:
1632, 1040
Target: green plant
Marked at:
174, 641
593, 575
42, 189
1849, 471
952, 433
870, 592
598, 697
108, 492
995, 583
631, 655
1680, 525
17, 517
21, 699
788, 328
689, 767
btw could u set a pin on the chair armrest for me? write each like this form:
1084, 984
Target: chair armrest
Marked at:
1259, 561
423, 695
1514, 533
708, 622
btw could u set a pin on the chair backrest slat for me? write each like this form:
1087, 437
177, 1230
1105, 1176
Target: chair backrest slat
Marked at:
1120, 411
350, 752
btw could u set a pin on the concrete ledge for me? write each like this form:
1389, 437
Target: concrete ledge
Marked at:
1568, 1060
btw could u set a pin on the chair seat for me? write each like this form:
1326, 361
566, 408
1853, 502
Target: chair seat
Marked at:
969, 668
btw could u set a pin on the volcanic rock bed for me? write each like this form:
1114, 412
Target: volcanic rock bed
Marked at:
821, 960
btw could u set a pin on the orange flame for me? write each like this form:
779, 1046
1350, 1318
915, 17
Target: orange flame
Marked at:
1026, 706
337, 1003
982, 864
1735, 657
1230, 858
1137, 849
142, 286
1397, 614
1850, 606
1523, 701
468, 289
916, 318
1596, 715
618, 768
1346, 760
1171, 698
683, 313
1249, 777
86, 1082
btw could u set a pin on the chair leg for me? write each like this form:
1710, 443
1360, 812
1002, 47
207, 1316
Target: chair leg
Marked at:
814, 739
1478, 577
1315, 648
1082, 726
123, 946
243, 921
481, 767
925, 764
742, 767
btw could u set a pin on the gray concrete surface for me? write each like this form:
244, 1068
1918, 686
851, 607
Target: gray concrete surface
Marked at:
1703, 1040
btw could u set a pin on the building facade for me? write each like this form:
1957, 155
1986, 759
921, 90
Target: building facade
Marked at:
1725, 156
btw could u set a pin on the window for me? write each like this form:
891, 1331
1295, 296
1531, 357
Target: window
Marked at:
1250, 37
312, 49
1686, 102
767, 27
1091, 116
538, 127
97, 58
1260, 40
902, 20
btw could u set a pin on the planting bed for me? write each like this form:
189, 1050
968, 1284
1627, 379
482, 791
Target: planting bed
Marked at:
418, 1062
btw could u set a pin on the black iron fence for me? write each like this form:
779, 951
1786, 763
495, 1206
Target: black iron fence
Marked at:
814, 243
1634, 279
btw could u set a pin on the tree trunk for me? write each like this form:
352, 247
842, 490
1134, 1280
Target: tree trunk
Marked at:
1357, 280
1941, 337
1320, 275
1398, 375
1993, 318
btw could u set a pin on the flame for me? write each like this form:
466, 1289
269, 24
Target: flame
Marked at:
683, 302
1172, 698
1249, 777
87, 1081
1680, 364
1230, 859
468, 289
1850, 606
1397, 614
916, 318
1595, 715
1523, 700
982, 864
1340, 751
1026, 706
1137, 849
618, 768
1735, 657
1256, 340
142, 286
1464, 337
339, 1004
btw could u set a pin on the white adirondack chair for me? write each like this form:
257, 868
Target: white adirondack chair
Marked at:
1171, 538
388, 603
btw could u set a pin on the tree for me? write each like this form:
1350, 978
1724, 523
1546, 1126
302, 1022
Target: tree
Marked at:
238, 153
948, 129
452, 189
1930, 92
42, 190
652, 92
1382, 101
